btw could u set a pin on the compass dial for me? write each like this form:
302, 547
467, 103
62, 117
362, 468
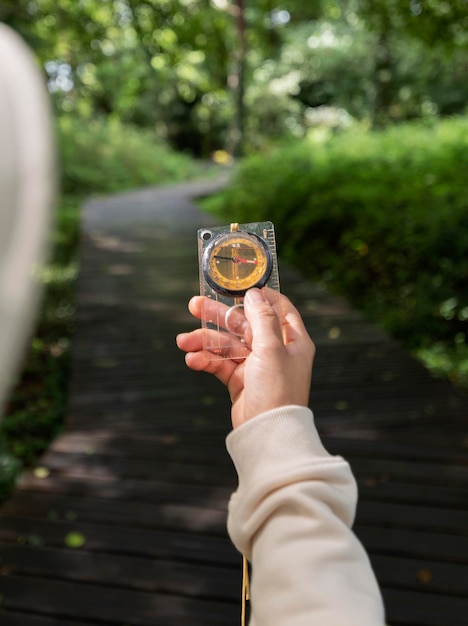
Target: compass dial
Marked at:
235, 262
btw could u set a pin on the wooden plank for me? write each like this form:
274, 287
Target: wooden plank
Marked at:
126, 540
409, 608
194, 580
98, 466
182, 446
151, 445
413, 543
208, 510
421, 575
176, 447
19, 618
196, 517
452, 436
420, 473
115, 570
383, 488
101, 466
112, 605
128, 490
384, 448
190, 445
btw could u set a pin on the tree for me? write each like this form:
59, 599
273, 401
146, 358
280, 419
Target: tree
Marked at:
432, 21
207, 74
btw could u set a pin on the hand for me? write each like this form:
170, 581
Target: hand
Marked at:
278, 370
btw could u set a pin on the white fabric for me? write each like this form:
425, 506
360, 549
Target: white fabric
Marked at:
291, 516
27, 188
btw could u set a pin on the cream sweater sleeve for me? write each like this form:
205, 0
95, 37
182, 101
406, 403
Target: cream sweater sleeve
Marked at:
291, 516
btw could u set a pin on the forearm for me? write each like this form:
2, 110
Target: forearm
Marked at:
291, 516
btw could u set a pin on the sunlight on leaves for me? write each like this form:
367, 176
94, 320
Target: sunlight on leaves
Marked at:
58, 274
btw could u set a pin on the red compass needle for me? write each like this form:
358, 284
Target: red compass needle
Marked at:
237, 259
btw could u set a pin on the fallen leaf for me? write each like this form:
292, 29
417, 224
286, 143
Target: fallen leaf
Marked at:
341, 405
106, 363
75, 540
334, 332
424, 576
41, 472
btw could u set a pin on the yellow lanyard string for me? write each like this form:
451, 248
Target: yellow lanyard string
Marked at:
245, 588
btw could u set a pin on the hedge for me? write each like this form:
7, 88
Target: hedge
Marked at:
381, 217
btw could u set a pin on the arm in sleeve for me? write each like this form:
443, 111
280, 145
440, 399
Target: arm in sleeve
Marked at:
291, 516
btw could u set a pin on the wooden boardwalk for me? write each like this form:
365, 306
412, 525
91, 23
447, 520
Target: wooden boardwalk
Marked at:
123, 522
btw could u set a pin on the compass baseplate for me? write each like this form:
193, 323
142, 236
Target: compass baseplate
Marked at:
232, 259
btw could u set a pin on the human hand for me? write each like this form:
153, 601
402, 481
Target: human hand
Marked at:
278, 370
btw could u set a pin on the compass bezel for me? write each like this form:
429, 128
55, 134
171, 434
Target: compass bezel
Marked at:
253, 240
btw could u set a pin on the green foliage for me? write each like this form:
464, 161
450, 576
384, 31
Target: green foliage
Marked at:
174, 65
101, 156
380, 216
162, 64
447, 359
428, 20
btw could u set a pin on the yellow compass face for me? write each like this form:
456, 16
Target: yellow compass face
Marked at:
235, 262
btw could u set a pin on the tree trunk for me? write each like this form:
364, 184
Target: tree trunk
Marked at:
239, 127
383, 81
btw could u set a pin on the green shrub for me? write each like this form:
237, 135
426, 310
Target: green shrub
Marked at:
105, 156
382, 217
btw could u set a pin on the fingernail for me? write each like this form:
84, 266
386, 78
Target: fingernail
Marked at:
254, 296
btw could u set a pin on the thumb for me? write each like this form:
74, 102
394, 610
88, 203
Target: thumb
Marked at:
263, 320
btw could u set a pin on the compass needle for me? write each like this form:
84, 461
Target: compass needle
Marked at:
250, 261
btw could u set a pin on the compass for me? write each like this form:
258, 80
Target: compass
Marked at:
236, 261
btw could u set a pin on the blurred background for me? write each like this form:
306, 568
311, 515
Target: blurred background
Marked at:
344, 122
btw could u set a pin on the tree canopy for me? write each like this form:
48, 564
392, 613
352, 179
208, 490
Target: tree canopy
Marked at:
207, 73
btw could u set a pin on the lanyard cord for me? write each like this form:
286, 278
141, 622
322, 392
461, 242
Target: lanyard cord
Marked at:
245, 588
